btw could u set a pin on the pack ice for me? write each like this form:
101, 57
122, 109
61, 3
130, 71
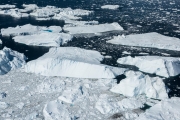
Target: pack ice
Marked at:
72, 62
167, 109
44, 39
7, 6
93, 29
29, 29
162, 66
153, 40
10, 60
112, 7
137, 83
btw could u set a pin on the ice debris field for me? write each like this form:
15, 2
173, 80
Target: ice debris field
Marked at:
73, 83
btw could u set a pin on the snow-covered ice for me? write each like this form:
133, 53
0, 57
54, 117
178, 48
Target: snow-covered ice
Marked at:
29, 29
44, 39
152, 40
112, 7
14, 13
167, 109
72, 62
7, 6
29, 7
93, 29
162, 66
10, 60
137, 83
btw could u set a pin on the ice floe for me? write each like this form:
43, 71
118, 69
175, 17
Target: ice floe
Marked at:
44, 39
14, 13
72, 62
0, 41
167, 109
10, 60
112, 7
153, 40
7, 6
29, 29
162, 66
137, 83
93, 29
28, 7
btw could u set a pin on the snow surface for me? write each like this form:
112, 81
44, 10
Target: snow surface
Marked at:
33, 103
10, 60
14, 13
137, 83
162, 66
29, 29
7, 6
153, 40
44, 39
112, 7
72, 62
167, 109
93, 29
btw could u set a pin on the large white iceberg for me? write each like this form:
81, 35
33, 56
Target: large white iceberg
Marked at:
167, 109
162, 66
72, 62
44, 39
29, 29
93, 29
153, 40
7, 6
10, 60
112, 7
137, 83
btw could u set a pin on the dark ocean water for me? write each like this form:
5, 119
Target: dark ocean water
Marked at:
135, 16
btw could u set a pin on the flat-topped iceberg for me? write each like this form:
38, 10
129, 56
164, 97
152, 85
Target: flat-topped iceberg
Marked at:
29, 29
167, 109
10, 60
93, 29
7, 6
137, 83
162, 66
72, 62
153, 40
112, 7
44, 39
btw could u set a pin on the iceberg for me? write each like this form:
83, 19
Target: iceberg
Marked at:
72, 62
167, 109
152, 40
7, 6
112, 7
29, 29
10, 60
44, 39
93, 29
162, 66
137, 83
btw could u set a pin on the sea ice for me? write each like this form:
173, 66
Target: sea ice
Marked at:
162, 66
137, 83
10, 60
44, 39
7, 6
167, 109
72, 62
93, 29
112, 7
29, 7
152, 40
3, 105
29, 29
0, 41
14, 13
